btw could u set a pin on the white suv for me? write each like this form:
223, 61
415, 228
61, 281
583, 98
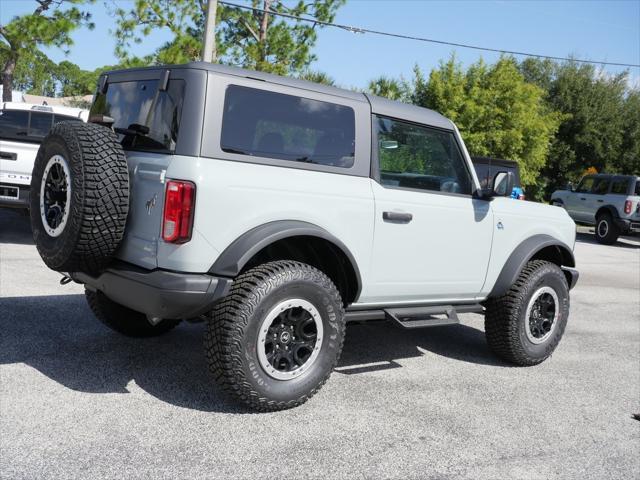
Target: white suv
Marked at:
277, 210
22, 128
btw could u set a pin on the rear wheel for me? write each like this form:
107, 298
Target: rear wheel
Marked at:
525, 325
607, 232
79, 197
275, 339
124, 320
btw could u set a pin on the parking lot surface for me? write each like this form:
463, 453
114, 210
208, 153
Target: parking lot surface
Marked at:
79, 401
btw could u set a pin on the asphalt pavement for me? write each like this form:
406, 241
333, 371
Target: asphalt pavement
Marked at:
78, 401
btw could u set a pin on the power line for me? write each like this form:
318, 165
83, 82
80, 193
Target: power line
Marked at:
422, 39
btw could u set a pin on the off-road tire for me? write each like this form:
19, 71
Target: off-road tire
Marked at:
99, 200
233, 329
505, 320
124, 320
605, 225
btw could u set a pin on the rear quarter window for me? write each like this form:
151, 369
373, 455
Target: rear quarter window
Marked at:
287, 127
620, 186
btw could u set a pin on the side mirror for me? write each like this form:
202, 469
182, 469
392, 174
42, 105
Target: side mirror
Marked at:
502, 184
569, 187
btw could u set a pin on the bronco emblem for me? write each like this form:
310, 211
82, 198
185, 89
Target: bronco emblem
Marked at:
151, 203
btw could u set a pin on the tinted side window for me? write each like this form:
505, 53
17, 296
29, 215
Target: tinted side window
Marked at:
286, 127
40, 124
600, 186
14, 124
413, 156
638, 188
585, 185
139, 103
620, 186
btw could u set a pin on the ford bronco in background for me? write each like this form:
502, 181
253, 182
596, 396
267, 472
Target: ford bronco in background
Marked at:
277, 210
611, 203
22, 128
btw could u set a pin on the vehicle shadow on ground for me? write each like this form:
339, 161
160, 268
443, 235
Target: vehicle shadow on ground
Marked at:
623, 242
15, 227
59, 337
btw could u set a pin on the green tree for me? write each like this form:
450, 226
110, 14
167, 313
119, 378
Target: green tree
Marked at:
317, 77
598, 120
389, 88
251, 39
48, 25
629, 158
33, 74
498, 113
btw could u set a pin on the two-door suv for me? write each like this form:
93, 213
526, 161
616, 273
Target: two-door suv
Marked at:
277, 210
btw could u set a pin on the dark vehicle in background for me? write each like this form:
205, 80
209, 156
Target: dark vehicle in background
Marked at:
487, 167
611, 203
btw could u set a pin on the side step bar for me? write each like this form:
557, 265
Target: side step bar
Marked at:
423, 317
416, 317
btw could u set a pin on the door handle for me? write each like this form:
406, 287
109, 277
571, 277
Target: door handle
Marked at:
600, 200
582, 198
397, 217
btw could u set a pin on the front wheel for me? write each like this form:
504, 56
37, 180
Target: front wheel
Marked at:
275, 339
525, 325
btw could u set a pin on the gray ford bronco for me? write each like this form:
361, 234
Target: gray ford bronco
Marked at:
611, 203
277, 210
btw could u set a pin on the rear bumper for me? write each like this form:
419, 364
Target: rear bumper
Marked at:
627, 225
158, 293
23, 196
572, 276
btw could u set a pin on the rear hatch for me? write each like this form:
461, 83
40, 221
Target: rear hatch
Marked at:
146, 113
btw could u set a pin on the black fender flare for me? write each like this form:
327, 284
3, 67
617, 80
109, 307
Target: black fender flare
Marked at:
524, 252
240, 251
608, 208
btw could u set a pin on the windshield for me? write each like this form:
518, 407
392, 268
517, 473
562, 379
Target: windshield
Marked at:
145, 118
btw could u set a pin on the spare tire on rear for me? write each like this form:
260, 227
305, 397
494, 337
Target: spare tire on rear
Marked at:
79, 197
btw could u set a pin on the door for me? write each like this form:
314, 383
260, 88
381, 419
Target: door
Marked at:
576, 203
432, 239
596, 198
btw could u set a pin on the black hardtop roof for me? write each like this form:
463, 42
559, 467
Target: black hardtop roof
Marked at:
379, 105
611, 175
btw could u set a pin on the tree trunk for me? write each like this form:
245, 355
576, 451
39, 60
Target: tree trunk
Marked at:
7, 78
264, 24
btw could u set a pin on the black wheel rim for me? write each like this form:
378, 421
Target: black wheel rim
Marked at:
542, 315
55, 192
290, 339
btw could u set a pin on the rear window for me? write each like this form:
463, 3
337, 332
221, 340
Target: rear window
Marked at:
286, 127
137, 104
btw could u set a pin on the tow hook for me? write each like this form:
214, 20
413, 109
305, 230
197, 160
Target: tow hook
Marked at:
65, 279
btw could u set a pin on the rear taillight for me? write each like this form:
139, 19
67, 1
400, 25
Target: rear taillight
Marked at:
628, 205
177, 219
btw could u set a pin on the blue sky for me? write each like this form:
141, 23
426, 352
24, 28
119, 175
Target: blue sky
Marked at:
594, 30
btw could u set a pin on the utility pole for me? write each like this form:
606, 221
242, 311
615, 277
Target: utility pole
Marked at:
209, 44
